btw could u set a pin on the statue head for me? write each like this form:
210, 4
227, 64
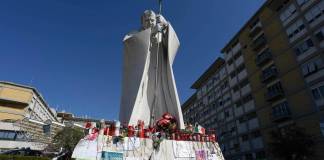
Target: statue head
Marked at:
148, 19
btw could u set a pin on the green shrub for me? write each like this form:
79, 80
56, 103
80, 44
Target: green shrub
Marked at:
14, 157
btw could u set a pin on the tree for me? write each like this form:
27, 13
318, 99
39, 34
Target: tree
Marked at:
292, 144
67, 139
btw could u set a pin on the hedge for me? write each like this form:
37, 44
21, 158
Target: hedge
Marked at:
14, 157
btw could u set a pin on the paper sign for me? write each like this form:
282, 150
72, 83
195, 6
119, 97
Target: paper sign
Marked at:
131, 143
201, 155
112, 156
212, 157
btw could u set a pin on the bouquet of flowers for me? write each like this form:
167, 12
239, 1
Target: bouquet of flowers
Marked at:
167, 124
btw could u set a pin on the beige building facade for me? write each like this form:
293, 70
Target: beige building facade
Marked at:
26, 120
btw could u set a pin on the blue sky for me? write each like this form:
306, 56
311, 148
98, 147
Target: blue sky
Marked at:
71, 50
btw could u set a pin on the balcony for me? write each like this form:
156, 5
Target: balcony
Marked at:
263, 57
257, 143
253, 123
280, 113
269, 74
242, 75
249, 106
230, 68
315, 76
228, 55
255, 30
233, 81
274, 94
239, 61
306, 4
238, 111
245, 146
246, 89
242, 128
236, 95
320, 103
259, 43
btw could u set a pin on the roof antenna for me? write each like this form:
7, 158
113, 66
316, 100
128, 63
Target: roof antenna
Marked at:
160, 6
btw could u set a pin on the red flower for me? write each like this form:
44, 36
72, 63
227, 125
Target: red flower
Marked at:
95, 130
163, 123
131, 131
167, 116
88, 125
106, 131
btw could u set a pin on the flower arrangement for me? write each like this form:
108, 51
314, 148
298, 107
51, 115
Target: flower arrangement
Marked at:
164, 128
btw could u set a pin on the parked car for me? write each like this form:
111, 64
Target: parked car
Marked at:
22, 152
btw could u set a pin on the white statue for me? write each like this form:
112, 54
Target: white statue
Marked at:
149, 88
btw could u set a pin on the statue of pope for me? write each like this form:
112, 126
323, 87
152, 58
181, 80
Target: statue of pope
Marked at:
148, 87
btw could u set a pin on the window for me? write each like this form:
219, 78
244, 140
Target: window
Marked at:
247, 98
260, 155
7, 135
288, 12
199, 94
240, 68
303, 47
237, 55
256, 134
322, 126
269, 71
282, 5
275, 88
245, 137
244, 83
251, 116
295, 28
238, 104
225, 84
281, 108
249, 156
312, 67
227, 114
320, 35
254, 23
318, 93
259, 42
220, 103
302, 2
230, 61
210, 84
222, 72
233, 74
315, 13
236, 46
242, 120
235, 88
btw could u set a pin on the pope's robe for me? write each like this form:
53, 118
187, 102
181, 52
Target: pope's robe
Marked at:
148, 86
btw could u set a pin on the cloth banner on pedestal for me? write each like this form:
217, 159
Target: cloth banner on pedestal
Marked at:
183, 149
86, 149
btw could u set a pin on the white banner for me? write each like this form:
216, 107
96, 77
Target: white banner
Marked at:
183, 149
86, 149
